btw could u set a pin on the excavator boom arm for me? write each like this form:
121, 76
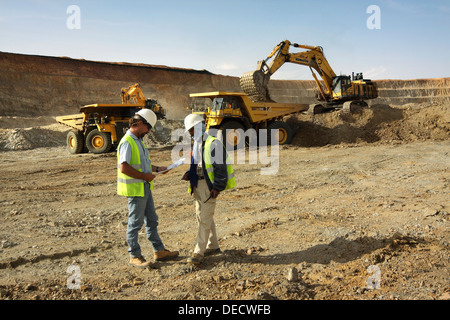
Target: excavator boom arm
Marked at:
255, 83
316, 60
313, 58
133, 94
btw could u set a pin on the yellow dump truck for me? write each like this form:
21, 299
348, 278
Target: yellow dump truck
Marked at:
99, 127
227, 112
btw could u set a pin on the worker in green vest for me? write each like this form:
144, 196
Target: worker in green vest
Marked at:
210, 173
135, 181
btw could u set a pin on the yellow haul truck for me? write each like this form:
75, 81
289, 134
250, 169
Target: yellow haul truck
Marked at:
99, 127
228, 112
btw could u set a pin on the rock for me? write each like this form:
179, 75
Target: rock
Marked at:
7, 244
4, 293
122, 225
263, 295
240, 286
31, 287
292, 275
445, 296
85, 288
218, 278
124, 285
253, 250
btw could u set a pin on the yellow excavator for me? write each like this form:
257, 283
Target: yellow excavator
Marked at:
134, 95
336, 92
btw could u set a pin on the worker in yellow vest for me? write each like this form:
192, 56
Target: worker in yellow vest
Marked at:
210, 173
135, 181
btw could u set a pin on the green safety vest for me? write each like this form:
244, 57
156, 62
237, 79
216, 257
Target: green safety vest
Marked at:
126, 185
231, 181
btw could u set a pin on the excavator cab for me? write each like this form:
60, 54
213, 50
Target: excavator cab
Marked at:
346, 88
341, 84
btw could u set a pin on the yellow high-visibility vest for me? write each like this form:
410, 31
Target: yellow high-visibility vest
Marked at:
126, 185
231, 181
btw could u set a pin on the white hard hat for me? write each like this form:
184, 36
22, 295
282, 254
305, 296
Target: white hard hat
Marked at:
148, 116
191, 120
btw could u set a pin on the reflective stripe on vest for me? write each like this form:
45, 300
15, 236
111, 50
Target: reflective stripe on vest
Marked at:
126, 185
231, 181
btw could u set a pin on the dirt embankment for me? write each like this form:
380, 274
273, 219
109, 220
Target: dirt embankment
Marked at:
50, 86
390, 92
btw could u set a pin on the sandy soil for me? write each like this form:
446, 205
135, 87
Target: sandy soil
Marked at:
357, 210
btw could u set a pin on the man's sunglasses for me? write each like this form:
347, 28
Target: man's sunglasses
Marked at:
149, 126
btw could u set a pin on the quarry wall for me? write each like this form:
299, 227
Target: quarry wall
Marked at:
33, 86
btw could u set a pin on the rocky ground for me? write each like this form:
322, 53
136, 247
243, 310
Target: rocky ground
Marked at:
358, 209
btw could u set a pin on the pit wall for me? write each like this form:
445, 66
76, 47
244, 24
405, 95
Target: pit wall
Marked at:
32, 86
391, 92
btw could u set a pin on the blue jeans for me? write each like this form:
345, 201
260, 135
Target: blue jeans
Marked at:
142, 210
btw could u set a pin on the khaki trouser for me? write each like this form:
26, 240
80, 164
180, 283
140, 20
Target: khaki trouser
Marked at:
206, 236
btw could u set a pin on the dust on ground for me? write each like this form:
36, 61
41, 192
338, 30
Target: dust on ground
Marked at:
358, 210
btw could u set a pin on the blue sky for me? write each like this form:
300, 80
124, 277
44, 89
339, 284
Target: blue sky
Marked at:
229, 37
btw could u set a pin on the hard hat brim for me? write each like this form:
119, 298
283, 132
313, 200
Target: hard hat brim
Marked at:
196, 123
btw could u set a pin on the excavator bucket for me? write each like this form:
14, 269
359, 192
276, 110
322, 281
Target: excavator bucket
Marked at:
254, 84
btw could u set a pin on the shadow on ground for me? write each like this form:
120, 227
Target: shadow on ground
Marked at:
340, 250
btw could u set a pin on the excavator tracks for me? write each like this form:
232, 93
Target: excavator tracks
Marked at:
254, 84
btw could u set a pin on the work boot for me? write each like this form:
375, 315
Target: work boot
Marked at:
211, 252
196, 259
139, 262
165, 255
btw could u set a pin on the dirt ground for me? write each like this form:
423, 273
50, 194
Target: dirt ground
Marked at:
359, 209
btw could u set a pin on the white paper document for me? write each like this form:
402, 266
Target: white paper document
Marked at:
174, 165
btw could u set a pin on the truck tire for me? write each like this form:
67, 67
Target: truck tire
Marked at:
231, 135
285, 133
75, 141
98, 142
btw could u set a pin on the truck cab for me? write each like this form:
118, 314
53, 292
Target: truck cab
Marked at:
224, 107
